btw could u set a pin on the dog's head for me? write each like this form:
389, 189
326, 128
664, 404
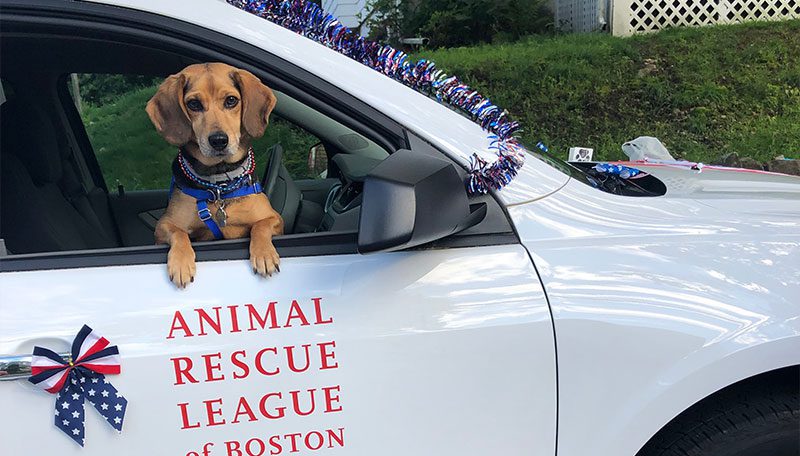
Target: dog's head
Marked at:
214, 106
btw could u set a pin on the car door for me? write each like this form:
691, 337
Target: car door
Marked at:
435, 351
443, 349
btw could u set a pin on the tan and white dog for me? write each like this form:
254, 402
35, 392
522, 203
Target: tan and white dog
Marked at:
212, 111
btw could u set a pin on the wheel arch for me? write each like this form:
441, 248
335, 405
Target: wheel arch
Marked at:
788, 376
708, 372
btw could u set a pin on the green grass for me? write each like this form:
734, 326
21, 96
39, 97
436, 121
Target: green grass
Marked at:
714, 90
130, 151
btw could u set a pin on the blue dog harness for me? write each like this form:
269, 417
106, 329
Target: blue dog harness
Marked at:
215, 191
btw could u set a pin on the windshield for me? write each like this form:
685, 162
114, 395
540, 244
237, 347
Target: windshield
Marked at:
563, 166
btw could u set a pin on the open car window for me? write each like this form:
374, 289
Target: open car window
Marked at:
131, 154
98, 174
61, 205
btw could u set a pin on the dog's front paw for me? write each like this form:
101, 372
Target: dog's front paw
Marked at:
264, 259
181, 266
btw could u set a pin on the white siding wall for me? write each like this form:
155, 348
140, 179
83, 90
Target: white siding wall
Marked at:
346, 11
581, 15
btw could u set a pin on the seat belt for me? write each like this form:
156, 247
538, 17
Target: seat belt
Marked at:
77, 196
69, 140
74, 180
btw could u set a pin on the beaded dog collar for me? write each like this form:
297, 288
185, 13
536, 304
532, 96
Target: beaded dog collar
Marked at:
223, 181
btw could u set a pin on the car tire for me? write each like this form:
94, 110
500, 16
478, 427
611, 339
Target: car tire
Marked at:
758, 420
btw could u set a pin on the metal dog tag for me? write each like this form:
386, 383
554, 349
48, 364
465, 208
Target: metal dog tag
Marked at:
221, 215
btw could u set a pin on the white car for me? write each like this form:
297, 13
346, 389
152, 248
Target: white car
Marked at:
553, 316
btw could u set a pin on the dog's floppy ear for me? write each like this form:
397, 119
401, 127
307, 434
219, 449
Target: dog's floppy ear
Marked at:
258, 101
167, 113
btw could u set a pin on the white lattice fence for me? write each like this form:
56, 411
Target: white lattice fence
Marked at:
637, 16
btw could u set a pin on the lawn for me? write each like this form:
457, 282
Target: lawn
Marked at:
704, 92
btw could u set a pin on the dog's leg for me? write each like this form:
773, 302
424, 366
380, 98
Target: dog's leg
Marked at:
263, 256
181, 259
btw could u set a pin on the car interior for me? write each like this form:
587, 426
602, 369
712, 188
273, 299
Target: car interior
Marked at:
53, 196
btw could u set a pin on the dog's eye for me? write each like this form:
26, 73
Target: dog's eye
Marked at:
194, 105
231, 101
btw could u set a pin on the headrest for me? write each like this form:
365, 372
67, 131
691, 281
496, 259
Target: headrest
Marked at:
27, 133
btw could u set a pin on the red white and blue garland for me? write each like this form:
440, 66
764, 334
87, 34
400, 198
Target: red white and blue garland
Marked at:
81, 377
309, 20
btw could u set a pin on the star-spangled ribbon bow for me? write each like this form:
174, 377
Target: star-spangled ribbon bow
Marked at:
78, 378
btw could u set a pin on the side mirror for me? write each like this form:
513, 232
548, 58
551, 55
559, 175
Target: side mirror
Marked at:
411, 199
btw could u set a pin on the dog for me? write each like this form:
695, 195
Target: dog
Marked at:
212, 112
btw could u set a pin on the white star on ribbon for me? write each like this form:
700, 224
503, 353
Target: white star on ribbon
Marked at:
91, 359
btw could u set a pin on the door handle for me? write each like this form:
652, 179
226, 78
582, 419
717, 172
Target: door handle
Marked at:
18, 367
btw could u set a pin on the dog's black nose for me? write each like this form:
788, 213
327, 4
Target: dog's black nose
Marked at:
218, 140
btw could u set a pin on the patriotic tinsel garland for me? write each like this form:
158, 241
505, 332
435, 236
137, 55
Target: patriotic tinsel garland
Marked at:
309, 20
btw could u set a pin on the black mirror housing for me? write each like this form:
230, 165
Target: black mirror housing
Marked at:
411, 199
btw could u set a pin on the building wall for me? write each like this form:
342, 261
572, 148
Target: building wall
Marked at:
347, 11
580, 16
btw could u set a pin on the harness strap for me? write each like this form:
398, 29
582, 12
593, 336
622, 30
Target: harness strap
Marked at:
205, 215
203, 194
203, 197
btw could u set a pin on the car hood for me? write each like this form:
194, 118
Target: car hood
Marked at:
697, 181
743, 191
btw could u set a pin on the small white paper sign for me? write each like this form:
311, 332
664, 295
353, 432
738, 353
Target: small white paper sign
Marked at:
580, 154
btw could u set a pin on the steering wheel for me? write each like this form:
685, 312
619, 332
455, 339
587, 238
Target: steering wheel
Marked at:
272, 170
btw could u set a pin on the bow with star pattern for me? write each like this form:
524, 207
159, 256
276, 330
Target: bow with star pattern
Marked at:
80, 377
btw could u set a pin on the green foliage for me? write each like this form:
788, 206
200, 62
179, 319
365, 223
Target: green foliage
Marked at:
99, 89
389, 20
703, 91
449, 23
130, 151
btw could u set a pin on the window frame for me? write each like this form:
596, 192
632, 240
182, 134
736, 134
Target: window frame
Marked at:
111, 23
